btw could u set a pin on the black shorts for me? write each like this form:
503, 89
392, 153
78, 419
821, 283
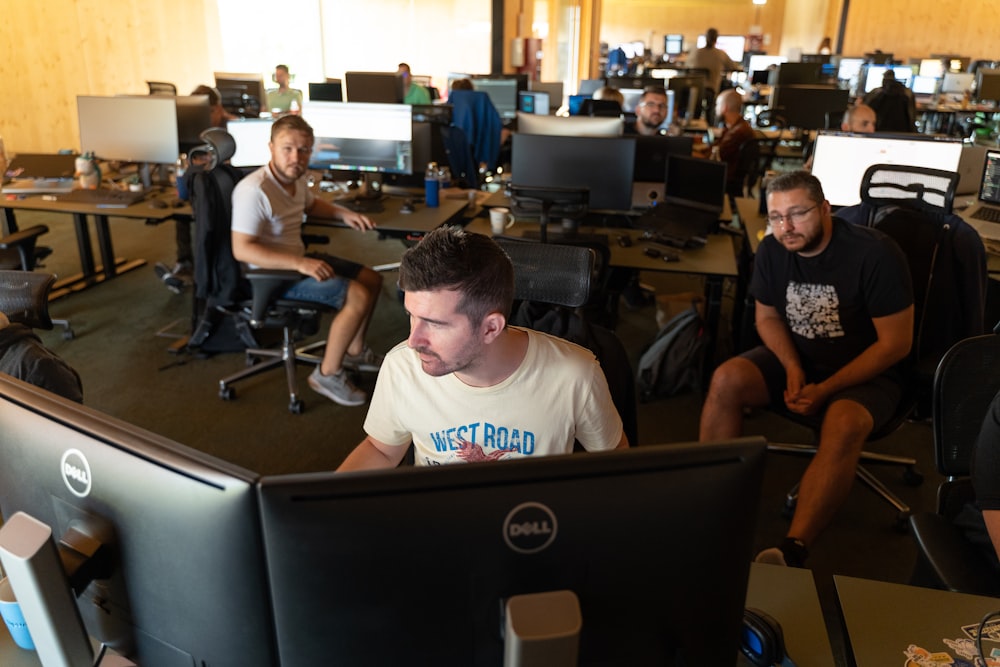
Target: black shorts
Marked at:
343, 268
880, 396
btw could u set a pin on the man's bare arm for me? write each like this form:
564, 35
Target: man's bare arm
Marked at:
372, 454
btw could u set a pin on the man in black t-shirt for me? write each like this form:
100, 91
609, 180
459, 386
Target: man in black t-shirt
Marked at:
834, 308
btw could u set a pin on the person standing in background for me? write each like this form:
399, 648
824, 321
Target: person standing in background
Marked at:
283, 100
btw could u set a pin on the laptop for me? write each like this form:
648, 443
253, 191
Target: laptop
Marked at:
984, 214
40, 173
970, 169
693, 198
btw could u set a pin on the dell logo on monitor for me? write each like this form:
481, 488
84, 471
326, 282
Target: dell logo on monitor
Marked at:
76, 472
530, 528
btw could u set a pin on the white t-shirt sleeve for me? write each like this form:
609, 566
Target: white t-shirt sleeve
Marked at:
251, 208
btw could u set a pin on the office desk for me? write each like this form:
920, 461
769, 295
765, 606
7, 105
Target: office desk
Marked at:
499, 198
748, 210
884, 620
391, 220
788, 594
92, 273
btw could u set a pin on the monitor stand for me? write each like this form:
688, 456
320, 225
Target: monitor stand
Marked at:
368, 197
542, 630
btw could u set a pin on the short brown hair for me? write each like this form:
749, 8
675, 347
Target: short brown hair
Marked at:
797, 180
450, 258
293, 123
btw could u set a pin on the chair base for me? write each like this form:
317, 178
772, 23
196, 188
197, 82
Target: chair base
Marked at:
911, 477
286, 356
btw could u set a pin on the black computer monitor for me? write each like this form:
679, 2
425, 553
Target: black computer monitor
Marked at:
502, 90
355, 136
326, 91
879, 58
874, 73
590, 86
821, 58
806, 107
574, 126
140, 129
194, 116
376, 87
377, 568
795, 74
603, 165
184, 578
243, 94
673, 44
988, 84
651, 155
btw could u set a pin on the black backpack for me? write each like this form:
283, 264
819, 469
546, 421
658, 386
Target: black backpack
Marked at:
673, 362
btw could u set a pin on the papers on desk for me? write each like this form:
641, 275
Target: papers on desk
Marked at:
34, 186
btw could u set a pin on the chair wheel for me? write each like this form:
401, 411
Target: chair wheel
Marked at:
69, 334
296, 407
227, 393
912, 477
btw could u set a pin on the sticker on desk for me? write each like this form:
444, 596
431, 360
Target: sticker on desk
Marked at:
917, 656
991, 631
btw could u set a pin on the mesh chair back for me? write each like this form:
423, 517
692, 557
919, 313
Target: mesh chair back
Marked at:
965, 383
24, 297
916, 187
550, 273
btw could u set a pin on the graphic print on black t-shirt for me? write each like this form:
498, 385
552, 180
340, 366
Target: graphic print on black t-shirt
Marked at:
813, 310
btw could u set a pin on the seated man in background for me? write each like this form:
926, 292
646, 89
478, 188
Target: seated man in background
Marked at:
413, 93
728, 142
283, 100
858, 117
465, 386
834, 309
269, 206
24, 356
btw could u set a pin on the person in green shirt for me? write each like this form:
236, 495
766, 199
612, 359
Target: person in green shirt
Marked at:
413, 93
283, 100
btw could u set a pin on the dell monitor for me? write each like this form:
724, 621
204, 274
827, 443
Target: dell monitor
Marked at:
194, 116
415, 565
326, 91
841, 158
806, 107
243, 94
733, 45
374, 87
357, 137
179, 576
502, 91
988, 85
603, 165
140, 129
252, 136
673, 44
574, 126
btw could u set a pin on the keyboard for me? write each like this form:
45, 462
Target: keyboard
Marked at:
987, 213
103, 197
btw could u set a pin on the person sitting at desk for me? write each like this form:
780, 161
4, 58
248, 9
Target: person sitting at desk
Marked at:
894, 105
736, 131
413, 93
269, 206
650, 112
466, 386
834, 308
858, 117
283, 100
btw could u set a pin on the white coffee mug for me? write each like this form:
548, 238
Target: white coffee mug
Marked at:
500, 219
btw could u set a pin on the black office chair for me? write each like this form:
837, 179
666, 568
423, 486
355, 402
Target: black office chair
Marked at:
161, 88
911, 205
253, 301
551, 284
19, 250
966, 381
605, 108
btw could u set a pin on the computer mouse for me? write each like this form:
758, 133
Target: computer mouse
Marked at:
158, 203
407, 206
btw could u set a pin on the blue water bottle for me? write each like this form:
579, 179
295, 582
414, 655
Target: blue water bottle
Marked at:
432, 186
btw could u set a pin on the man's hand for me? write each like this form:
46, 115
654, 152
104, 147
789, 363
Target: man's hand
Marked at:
807, 401
356, 220
314, 268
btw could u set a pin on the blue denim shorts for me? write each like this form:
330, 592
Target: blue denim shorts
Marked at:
332, 292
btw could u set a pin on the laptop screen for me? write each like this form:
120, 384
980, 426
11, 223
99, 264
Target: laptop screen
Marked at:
989, 189
696, 179
841, 158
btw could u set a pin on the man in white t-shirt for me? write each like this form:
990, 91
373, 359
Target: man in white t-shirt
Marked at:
465, 386
268, 209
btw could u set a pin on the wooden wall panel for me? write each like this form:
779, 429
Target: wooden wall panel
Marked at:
917, 28
53, 51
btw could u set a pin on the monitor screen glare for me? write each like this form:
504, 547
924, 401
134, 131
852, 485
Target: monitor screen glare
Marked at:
932, 67
873, 79
848, 68
924, 85
252, 136
673, 45
502, 92
759, 63
361, 137
733, 45
129, 129
841, 159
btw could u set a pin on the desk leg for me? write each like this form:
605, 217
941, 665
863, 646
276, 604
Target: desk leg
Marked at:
104, 243
84, 246
11, 220
713, 313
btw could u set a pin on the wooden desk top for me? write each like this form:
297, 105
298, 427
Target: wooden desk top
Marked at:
142, 209
390, 219
716, 258
748, 210
498, 198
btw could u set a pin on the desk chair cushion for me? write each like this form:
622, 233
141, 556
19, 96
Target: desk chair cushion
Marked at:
24, 356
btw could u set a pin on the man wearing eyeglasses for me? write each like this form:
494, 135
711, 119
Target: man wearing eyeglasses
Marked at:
650, 112
834, 309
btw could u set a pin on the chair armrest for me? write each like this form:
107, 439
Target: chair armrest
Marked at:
21, 236
954, 560
266, 285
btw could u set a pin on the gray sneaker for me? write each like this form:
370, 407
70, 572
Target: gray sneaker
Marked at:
366, 362
337, 388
